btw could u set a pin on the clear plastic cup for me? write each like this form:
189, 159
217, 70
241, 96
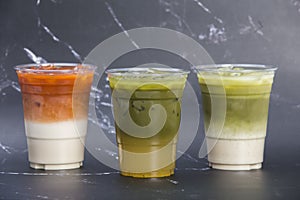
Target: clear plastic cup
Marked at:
241, 92
55, 138
147, 114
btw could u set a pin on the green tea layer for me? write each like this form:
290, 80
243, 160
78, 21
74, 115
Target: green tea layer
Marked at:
247, 102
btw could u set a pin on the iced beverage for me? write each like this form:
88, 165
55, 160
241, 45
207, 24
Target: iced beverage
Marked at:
246, 92
55, 137
147, 113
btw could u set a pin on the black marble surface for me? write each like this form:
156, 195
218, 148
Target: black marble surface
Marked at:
232, 31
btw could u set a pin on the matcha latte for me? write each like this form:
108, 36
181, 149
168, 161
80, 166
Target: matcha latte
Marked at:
244, 92
147, 113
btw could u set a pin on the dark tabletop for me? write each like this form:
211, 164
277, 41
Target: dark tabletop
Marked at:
231, 31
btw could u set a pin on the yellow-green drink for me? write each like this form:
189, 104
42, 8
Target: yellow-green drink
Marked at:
242, 93
147, 112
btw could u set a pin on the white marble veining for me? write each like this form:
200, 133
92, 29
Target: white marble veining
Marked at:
56, 39
33, 57
5, 148
199, 3
114, 16
53, 36
215, 35
169, 8
173, 181
202, 6
256, 27
189, 157
194, 169
57, 174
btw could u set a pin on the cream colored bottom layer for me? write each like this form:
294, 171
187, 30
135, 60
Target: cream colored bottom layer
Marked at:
236, 154
56, 146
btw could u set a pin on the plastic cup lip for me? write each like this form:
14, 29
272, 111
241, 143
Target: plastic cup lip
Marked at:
136, 72
34, 68
232, 68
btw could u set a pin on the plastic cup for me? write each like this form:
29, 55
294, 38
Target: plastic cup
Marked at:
55, 138
147, 114
242, 92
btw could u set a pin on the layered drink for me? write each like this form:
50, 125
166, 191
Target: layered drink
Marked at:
244, 92
147, 114
55, 136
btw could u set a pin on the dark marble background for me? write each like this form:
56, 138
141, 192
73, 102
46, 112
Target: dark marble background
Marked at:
232, 31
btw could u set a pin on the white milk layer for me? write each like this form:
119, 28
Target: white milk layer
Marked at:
56, 145
56, 130
243, 154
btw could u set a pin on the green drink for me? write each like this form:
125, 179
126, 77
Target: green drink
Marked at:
242, 92
147, 113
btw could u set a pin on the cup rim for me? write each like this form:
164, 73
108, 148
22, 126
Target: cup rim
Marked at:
26, 67
246, 68
148, 72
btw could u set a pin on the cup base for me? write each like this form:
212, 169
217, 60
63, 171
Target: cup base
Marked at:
152, 161
55, 154
56, 166
235, 154
154, 174
235, 167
